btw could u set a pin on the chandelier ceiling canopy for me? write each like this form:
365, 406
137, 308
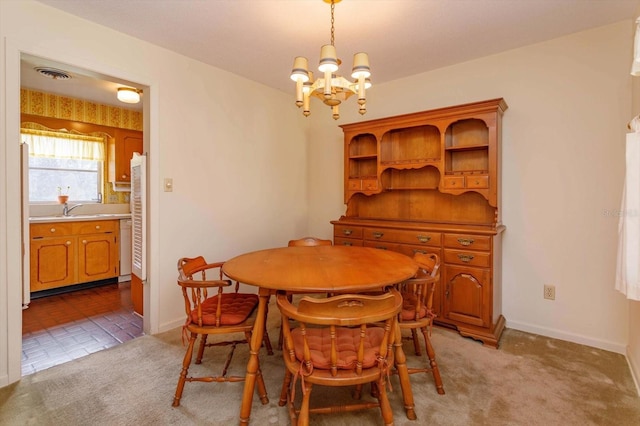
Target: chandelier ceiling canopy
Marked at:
331, 88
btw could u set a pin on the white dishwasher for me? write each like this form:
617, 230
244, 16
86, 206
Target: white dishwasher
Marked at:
125, 250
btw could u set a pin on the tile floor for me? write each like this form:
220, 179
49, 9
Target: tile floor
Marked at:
57, 329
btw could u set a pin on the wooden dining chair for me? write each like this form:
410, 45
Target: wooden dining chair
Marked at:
303, 242
336, 343
214, 314
417, 311
309, 242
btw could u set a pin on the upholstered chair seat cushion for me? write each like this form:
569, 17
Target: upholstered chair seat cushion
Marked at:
347, 340
236, 307
409, 302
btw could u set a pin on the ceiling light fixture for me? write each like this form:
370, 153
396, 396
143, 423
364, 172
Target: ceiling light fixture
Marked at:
129, 95
332, 89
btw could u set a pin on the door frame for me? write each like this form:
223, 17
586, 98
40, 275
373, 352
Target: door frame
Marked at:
14, 256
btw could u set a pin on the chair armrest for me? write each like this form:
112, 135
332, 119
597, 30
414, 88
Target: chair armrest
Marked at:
204, 283
206, 267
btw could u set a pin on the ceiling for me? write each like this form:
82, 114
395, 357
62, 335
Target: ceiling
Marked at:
258, 39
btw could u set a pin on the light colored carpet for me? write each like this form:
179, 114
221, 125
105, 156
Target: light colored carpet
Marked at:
530, 380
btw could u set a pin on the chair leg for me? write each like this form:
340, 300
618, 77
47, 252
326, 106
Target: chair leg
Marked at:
280, 338
265, 339
431, 354
416, 342
185, 370
261, 389
286, 384
303, 417
385, 406
203, 344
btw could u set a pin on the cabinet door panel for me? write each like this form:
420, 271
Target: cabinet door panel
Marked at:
97, 257
52, 263
467, 295
130, 144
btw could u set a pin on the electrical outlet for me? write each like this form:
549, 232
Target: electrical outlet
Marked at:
550, 292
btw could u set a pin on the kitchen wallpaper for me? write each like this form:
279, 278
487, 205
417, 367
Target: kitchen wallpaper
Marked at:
50, 105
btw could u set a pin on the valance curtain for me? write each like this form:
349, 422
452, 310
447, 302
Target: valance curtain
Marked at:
50, 144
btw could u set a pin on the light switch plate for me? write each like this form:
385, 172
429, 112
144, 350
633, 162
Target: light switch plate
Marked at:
168, 185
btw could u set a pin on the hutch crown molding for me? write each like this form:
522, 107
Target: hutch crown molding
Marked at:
430, 182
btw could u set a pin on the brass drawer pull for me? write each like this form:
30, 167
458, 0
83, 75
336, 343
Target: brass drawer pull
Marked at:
424, 238
377, 234
68, 243
419, 251
347, 231
84, 241
347, 243
465, 241
465, 257
53, 230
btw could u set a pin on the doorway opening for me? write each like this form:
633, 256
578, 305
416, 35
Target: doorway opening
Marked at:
62, 327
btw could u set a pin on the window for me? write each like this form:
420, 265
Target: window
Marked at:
66, 164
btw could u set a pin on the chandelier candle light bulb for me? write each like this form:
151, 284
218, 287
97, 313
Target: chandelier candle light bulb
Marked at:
331, 88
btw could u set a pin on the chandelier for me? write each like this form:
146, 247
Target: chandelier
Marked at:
331, 88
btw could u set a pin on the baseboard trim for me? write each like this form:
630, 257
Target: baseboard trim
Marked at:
635, 370
569, 337
171, 325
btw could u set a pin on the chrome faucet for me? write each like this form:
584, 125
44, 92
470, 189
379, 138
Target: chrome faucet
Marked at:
66, 210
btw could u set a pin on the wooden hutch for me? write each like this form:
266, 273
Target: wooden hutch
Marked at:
430, 182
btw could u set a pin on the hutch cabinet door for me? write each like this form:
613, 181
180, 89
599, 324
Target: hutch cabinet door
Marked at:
467, 296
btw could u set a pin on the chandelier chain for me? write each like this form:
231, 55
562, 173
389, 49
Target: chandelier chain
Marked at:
333, 5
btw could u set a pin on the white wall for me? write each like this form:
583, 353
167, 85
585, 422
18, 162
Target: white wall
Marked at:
563, 164
236, 151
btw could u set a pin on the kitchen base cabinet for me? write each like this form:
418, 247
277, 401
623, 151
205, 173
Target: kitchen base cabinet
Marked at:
433, 185
68, 253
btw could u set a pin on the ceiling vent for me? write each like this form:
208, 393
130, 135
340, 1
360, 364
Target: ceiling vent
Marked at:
53, 73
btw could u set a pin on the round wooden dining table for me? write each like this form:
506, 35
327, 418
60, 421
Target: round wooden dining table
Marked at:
319, 269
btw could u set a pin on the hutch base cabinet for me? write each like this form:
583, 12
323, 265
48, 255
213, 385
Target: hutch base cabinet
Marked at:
430, 182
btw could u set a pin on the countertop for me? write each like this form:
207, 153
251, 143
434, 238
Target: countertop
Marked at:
79, 217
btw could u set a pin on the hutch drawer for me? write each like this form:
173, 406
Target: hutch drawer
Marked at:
347, 242
472, 242
471, 258
404, 236
342, 231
